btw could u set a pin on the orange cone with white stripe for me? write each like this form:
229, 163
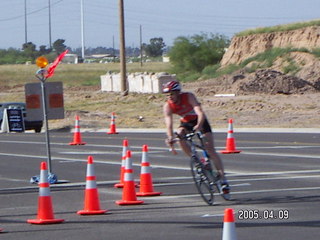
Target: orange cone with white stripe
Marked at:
229, 228
231, 142
112, 129
77, 134
129, 193
146, 185
45, 209
91, 201
125, 145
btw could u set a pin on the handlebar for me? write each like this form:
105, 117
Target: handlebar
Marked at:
187, 137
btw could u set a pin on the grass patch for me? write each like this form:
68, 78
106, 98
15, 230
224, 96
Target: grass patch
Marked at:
73, 74
279, 28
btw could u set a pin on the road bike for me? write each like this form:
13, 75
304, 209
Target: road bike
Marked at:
206, 179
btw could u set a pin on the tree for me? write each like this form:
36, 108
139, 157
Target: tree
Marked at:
155, 48
43, 50
29, 50
59, 46
193, 54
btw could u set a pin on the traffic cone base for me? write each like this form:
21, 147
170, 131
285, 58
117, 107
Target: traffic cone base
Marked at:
91, 212
118, 185
129, 196
147, 188
75, 143
127, 202
229, 151
121, 185
45, 221
112, 133
146, 194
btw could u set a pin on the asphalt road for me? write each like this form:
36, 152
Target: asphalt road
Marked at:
275, 177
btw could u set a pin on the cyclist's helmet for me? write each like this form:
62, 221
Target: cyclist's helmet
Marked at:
171, 86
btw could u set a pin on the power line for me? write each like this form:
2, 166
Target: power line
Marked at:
29, 13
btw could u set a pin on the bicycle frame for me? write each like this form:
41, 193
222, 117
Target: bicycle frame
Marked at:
194, 146
204, 175
201, 167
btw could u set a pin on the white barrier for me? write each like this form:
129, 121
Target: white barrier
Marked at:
137, 82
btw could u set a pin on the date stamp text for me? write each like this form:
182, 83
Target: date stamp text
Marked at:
268, 214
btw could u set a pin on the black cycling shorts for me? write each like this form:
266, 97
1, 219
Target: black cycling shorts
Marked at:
189, 125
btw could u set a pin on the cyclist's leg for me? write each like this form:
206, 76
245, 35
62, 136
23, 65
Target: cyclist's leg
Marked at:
184, 128
209, 144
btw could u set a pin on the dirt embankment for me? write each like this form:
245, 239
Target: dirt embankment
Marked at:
244, 47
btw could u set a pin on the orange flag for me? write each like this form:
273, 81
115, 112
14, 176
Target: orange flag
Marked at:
55, 64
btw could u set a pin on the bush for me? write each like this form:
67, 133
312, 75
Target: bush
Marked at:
193, 54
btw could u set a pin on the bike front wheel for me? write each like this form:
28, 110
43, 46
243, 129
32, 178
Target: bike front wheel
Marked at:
204, 185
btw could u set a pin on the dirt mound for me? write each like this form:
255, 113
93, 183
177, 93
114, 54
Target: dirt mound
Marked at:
272, 82
265, 81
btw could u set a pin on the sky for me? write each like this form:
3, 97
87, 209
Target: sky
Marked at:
168, 19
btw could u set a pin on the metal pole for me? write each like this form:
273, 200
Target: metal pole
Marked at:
140, 45
50, 41
45, 118
82, 30
123, 73
25, 22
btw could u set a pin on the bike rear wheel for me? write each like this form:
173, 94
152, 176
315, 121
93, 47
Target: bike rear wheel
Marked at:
203, 180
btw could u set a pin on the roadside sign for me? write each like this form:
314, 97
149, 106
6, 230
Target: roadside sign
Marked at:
54, 101
12, 121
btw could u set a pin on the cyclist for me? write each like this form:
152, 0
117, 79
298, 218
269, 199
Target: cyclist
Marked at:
193, 118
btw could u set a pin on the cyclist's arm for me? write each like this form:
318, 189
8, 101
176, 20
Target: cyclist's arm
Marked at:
198, 110
168, 119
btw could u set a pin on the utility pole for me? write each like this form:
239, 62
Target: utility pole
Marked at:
82, 30
113, 50
25, 22
141, 46
50, 42
123, 73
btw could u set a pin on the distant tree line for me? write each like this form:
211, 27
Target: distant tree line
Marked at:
187, 55
29, 51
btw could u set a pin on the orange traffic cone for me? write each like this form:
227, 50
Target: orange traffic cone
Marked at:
146, 186
230, 143
229, 228
45, 209
91, 201
77, 134
129, 193
123, 164
112, 129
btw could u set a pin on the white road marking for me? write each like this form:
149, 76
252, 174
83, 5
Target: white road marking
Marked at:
293, 155
176, 167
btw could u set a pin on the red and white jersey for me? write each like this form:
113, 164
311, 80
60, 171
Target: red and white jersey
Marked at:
184, 108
